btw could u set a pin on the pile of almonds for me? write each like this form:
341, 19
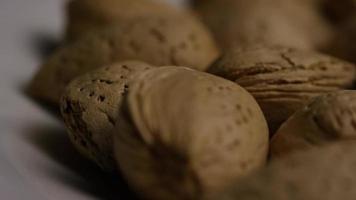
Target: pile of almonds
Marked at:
230, 99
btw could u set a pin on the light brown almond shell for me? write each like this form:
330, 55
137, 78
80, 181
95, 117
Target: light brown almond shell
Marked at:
328, 118
192, 133
283, 80
158, 41
92, 105
84, 16
292, 23
322, 173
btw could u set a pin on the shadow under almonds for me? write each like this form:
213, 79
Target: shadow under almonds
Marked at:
43, 43
52, 109
54, 142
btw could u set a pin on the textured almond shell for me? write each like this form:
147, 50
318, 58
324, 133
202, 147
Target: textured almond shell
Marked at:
195, 134
158, 41
293, 23
327, 173
328, 118
84, 16
283, 80
92, 105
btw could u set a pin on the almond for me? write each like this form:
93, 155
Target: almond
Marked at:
326, 173
87, 15
329, 118
158, 41
293, 23
283, 80
92, 105
191, 134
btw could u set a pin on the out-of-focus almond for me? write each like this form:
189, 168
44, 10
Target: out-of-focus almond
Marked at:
322, 173
329, 118
84, 16
293, 23
181, 41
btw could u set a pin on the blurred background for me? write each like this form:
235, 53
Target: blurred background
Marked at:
33, 143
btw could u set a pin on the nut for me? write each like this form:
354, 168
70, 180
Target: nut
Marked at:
326, 173
292, 23
329, 118
88, 15
92, 105
191, 134
283, 80
157, 41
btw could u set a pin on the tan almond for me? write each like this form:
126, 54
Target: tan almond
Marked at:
326, 173
92, 105
84, 16
158, 41
293, 23
328, 118
283, 80
191, 134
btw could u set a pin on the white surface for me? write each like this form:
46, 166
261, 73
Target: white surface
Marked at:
36, 160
